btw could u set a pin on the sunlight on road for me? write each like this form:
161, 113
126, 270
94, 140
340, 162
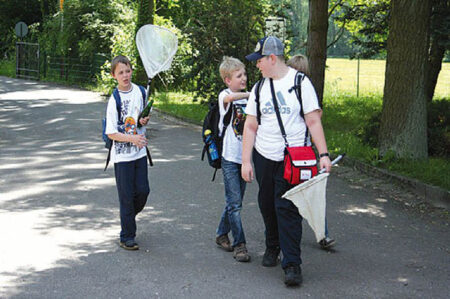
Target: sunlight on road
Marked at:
37, 244
75, 96
369, 209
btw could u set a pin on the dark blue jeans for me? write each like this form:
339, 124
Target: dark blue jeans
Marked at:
282, 220
234, 193
133, 188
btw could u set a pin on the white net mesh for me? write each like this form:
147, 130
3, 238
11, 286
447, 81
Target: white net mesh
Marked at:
310, 199
157, 47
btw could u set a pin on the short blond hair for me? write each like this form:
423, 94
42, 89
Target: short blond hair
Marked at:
228, 66
300, 63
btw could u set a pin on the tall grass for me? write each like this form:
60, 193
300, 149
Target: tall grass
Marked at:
8, 68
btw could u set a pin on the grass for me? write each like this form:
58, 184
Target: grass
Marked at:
181, 105
8, 68
341, 78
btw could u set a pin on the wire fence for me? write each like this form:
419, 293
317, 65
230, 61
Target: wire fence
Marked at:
73, 69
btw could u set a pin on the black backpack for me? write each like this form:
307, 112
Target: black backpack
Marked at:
211, 122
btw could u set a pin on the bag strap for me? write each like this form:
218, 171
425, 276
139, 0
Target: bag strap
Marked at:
116, 96
258, 87
227, 118
299, 76
277, 112
143, 95
149, 156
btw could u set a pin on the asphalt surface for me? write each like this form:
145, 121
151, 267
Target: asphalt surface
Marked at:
59, 218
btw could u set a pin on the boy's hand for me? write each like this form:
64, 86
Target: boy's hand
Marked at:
139, 140
325, 162
143, 121
247, 172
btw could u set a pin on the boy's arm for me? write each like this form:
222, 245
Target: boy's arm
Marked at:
248, 141
314, 124
139, 140
235, 96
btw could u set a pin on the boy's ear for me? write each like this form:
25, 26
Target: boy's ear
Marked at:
227, 81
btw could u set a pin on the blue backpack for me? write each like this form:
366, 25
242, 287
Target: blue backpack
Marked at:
106, 139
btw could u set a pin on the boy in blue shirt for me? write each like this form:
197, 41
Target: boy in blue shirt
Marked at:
129, 150
232, 100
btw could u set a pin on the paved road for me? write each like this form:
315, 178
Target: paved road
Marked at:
59, 219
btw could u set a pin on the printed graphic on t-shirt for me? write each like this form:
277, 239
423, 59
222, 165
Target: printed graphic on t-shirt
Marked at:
239, 120
269, 109
129, 127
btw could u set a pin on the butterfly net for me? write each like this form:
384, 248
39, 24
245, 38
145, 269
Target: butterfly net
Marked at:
157, 47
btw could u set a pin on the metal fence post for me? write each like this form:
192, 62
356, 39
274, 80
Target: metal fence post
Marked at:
357, 80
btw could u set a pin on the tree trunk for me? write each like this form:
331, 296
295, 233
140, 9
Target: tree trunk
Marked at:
404, 115
439, 40
316, 49
145, 15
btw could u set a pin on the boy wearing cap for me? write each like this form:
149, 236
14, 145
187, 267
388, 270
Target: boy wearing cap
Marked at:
262, 139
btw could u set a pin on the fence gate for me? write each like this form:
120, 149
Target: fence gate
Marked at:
27, 60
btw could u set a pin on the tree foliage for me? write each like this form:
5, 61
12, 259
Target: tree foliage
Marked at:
367, 21
215, 29
11, 12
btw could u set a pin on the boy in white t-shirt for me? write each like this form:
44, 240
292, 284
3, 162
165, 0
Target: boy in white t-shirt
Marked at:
262, 139
129, 150
232, 103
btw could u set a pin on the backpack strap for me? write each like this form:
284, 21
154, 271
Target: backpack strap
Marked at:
299, 76
149, 156
116, 96
143, 95
258, 87
227, 119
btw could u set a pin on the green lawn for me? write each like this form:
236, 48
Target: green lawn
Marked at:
341, 78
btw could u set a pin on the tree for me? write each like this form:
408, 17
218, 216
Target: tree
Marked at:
317, 43
403, 129
145, 15
439, 43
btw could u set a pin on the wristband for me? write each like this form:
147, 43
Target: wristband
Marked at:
324, 155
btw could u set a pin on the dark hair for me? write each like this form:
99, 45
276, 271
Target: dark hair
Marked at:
119, 59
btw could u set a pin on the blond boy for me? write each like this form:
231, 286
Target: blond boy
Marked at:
232, 103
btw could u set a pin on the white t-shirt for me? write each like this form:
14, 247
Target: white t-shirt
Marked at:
269, 141
132, 105
232, 141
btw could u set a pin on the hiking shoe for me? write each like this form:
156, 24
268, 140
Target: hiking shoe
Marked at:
293, 275
224, 243
240, 253
270, 258
326, 243
129, 245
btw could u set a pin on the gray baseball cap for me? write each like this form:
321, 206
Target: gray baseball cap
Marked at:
266, 46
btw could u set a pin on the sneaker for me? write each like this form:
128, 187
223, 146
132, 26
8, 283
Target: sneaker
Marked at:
270, 258
129, 245
240, 253
326, 243
224, 243
293, 275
